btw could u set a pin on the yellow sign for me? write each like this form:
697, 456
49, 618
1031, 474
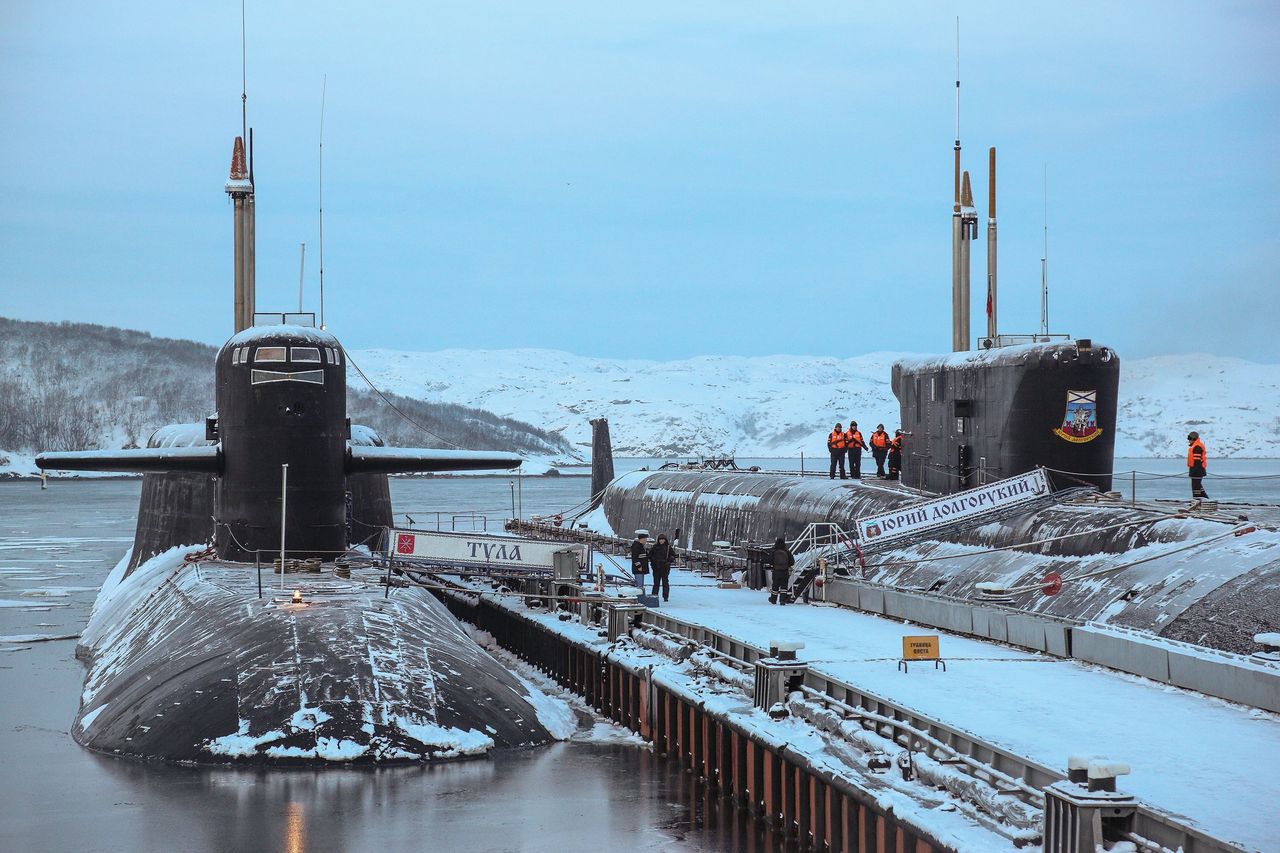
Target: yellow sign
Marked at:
920, 648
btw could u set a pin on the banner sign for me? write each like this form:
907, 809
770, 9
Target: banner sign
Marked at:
916, 519
481, 549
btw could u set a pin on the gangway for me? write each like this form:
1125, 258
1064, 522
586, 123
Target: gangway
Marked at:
927, 519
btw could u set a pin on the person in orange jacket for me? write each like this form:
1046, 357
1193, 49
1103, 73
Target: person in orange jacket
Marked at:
855, 445
895, 455
880, 448
835, 444
1197, 460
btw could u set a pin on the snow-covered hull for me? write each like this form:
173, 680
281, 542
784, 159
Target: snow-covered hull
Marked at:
187, 663
1150, 569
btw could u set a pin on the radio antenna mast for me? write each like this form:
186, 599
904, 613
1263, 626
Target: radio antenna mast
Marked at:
323, 89
957, 81
244, 79
1044, 261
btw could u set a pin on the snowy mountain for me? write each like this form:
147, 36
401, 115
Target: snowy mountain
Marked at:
78, 386
72, 386
778, 405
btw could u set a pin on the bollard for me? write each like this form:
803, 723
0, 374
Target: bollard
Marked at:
1083, 815
622, 618
778, 674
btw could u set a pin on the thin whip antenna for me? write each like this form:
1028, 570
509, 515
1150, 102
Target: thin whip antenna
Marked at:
244, 79
956, 203
302, 264
1044, 261
324, 86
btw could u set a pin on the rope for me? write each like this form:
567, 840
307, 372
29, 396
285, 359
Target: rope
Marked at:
231, 532
1153, 475
393, 406
479, 593
1238, 530
1029, 544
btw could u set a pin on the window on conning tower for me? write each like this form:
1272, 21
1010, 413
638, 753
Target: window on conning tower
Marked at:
304, 354
269, 354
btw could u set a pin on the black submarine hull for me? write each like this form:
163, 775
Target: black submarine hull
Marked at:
178, 508
1191, 579
186, 663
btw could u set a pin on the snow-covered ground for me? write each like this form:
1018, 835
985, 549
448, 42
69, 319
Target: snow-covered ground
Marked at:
1211, 761
777, 405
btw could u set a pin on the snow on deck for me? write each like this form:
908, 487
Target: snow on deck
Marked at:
1216, 763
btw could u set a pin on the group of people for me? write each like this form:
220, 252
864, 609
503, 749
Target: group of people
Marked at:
842, 442
659, 557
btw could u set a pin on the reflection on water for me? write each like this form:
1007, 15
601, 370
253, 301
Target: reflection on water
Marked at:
569, 796
57, 796
566, 797
295, 835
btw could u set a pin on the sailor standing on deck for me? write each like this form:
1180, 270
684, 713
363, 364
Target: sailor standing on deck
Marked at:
640, 558
1197, 459
895, 455
782, 563
853, 441
835, 443
660, 558
880, 448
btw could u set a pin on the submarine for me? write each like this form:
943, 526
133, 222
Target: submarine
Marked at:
1196, 574
193, 656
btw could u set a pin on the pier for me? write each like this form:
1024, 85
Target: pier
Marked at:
1000, 723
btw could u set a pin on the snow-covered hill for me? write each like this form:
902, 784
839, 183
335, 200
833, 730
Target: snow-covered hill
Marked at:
1234, 403
777, 405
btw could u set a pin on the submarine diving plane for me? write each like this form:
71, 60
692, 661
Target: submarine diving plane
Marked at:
189, 659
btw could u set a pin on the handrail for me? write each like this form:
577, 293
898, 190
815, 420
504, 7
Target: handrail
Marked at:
1151, 823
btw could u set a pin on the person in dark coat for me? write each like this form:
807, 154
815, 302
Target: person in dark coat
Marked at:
640, 558
661, 556
782, 563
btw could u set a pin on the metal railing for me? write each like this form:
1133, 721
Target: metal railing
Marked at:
1158, 830
413, 522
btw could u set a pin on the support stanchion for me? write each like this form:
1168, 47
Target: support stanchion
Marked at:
386, 588
284, 496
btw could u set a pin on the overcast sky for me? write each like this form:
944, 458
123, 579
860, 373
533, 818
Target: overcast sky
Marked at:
650, 180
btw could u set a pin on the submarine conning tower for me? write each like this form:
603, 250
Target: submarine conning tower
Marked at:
281, 399
981, 415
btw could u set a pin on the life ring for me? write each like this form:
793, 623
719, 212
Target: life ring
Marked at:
559, 520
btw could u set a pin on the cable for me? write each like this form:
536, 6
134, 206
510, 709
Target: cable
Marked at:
1153, 475
1089, 532
1238, 530
393, 406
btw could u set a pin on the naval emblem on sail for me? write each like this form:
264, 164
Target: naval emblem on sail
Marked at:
1080, 423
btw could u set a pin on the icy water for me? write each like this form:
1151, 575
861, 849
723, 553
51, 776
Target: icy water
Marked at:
1241, 480
56, 547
